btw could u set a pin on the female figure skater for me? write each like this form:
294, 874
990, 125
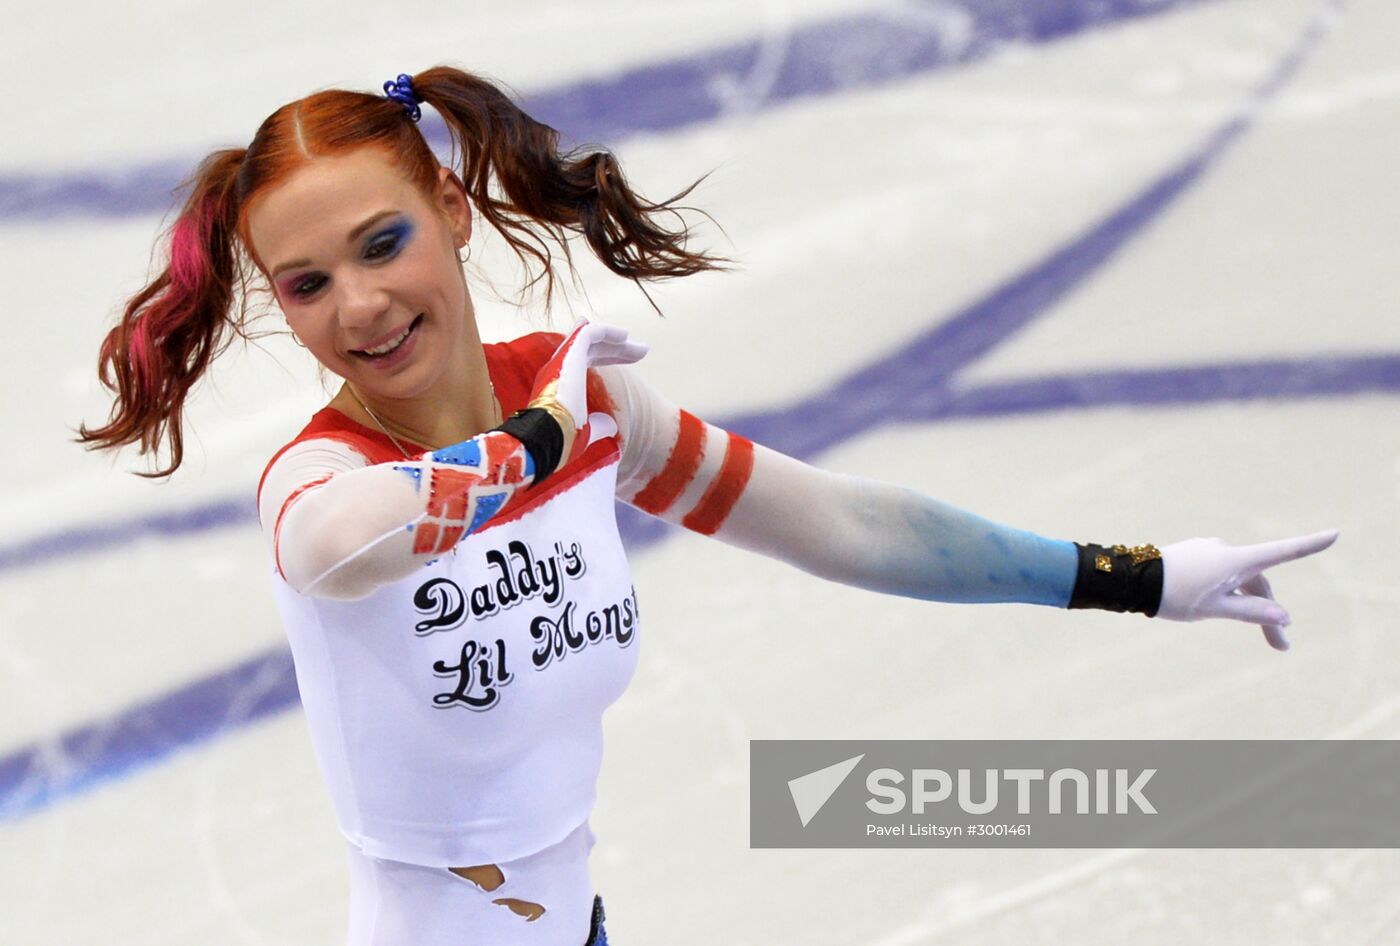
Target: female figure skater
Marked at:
445, 554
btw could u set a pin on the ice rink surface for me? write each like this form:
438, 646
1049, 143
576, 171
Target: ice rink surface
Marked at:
1108, 271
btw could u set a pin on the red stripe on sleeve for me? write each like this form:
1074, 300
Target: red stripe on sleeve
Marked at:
663, 488
725, 489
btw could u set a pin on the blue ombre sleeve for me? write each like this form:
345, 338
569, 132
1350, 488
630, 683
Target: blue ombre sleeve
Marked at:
921, 547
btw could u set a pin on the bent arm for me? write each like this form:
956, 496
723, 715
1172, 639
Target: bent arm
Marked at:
339, 527
856, 531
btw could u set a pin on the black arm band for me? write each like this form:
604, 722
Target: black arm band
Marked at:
1118, 578
537, 429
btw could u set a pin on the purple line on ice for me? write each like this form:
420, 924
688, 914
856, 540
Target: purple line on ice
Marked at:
927, 364
834, 55
86, 540
1194, 384
82, 758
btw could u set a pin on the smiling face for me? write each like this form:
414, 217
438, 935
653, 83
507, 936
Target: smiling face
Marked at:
366, 270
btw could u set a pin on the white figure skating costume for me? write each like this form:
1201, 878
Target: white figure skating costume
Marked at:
456, 645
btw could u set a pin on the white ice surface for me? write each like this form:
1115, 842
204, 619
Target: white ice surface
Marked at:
861, 220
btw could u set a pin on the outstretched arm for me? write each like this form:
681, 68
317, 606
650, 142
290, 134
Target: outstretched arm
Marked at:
891, 539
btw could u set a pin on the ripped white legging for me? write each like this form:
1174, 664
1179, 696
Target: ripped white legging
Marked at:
398, 904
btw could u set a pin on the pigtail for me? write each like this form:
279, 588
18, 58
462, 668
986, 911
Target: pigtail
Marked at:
548, 194
515, 176
173, 328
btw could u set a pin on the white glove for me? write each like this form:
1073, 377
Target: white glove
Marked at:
563, 380
1209, 578
589, 344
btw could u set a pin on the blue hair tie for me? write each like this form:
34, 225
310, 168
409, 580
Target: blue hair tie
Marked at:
401, 91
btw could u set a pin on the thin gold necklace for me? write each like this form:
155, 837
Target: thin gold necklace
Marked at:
495, 412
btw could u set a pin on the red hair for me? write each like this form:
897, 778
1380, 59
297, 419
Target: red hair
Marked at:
172, 329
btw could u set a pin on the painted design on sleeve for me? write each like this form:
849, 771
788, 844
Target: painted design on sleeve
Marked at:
412, 472
720, 480
681, 466
725, 489
464, 491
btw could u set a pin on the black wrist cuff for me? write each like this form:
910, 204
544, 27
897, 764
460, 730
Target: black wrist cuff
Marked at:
537, 429
1118, 578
